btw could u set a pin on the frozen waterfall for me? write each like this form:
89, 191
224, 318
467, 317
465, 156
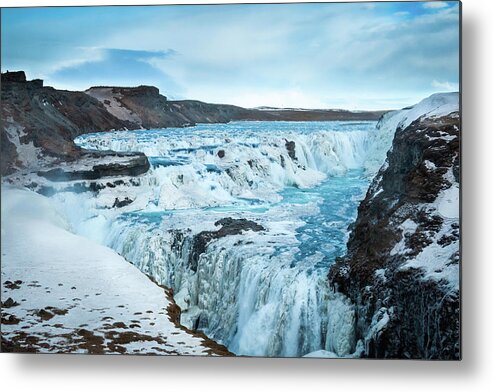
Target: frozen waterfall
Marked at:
261, 293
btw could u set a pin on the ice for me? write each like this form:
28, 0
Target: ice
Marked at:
340, 329
255, 164
321, 354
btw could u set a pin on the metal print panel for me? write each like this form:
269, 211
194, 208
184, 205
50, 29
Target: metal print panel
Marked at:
271, 180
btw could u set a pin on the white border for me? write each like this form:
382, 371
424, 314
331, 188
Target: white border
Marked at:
97, 373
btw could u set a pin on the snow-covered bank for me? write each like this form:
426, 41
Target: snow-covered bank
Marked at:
64, 293
380, 141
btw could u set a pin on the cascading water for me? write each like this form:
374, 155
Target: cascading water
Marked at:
261, 292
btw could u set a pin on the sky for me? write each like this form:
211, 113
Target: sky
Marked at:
357, 56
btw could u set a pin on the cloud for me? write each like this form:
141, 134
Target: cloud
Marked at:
324, 55
445, 86
435, 4
114, 66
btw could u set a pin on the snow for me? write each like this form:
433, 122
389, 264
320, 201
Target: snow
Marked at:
408, 227
437, 105
27, 153
439, 259
91, 284
278, 305
321, 354
380, 140
439, 262
114, 106
448, 202
247, 288
430, 165
380, 274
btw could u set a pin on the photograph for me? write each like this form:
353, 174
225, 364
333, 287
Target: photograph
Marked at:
241, 180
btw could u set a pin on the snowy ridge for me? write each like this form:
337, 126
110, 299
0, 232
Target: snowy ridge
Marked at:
95, 302
380, 140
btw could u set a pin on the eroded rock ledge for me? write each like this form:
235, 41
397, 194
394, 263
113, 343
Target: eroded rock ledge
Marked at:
229, 226
96, 165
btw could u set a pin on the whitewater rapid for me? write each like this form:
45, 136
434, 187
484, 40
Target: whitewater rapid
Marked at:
262, 293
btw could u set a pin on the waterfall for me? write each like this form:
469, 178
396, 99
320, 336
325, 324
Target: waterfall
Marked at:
260, 293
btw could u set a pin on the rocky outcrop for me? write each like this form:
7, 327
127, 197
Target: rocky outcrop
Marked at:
144, 107
229, 226
39, 123
401, 270
141, 106
96, 165
207, 113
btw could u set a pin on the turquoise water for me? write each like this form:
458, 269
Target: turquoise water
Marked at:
327, 231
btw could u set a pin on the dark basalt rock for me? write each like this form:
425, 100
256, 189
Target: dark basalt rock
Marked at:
221, 153
49, 119
134, 165
140, 91
10, 319
122, 203
291, 147
423, 314
15, 76
229, 226
9, 303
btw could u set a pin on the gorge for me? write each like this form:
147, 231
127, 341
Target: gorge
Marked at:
246, 222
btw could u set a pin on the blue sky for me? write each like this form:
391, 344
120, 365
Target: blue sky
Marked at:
352, 55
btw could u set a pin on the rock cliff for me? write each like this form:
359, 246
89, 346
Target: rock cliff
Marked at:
402, 266
39, 123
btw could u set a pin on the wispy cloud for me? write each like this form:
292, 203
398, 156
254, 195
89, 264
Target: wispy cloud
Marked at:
326, 55
114, 66
435, 4
445, 86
